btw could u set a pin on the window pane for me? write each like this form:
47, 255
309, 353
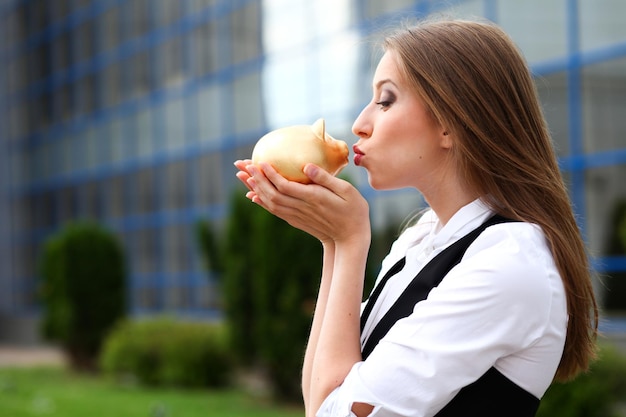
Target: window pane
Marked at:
199, 5
64, 102
205, 49
171, 61
144, 191
208, 296
87, 94
245, 33
18, 116
176, 185
178, 297
115, 196
144, 133
92, 200
605, 193
175, 124
90, 148
540, 35
40, 115
210, 110
67, 204
42, 162
62, 51
110, 28
38, 15
117, 139
168, 11
604, 106
66, 156
286, 89
467, 8
39, 65
147, 251
178, 248
285, 27
137, 17
210, 179
553, 96
21, 212
85, 38
15, 22
111, 88
248, 104
374, 8
45, 209
601, 22
15, 75
139, 72
60, 8
21, 166
147, 297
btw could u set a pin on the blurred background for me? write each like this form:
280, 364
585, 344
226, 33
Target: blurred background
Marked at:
131, 112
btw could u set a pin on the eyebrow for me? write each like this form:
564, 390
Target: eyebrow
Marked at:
384, 81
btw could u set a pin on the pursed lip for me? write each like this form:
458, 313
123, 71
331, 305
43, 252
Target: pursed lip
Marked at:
358, 155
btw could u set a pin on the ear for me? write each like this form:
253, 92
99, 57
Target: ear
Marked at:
446, 139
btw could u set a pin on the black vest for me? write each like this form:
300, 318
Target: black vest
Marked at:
493, 394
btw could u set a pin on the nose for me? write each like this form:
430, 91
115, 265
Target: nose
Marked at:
362, 126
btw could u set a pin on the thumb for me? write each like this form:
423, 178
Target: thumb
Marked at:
316, 174
337, 186
322, 177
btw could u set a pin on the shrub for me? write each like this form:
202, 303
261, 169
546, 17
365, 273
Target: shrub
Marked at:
83, 289
287, 275
593, 394
269, 274
229, 257
164, 351
614, 282
620, 219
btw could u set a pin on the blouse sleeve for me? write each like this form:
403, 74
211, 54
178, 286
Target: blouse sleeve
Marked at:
496, 302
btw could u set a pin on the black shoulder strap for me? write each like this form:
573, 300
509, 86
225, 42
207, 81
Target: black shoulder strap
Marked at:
397, 267
428, 278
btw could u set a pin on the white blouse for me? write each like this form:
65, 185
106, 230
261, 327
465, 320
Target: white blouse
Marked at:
504, 305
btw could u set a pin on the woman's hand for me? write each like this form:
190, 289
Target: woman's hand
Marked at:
329, 209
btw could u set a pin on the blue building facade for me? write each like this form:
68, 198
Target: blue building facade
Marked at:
130, 112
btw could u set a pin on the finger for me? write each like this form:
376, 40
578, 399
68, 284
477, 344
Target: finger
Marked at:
244, 177
268, 196
243, 173
277, 198
294, 189
292, 192
262, 187
322, 177
272, 175
241, 164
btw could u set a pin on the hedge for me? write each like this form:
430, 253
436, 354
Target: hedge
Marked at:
83, 289
168, 352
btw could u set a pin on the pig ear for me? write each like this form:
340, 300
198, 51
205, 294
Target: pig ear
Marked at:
319, 128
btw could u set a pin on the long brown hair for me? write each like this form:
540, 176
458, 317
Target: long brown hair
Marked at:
478, 86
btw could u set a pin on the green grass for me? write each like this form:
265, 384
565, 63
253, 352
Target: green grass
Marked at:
52, 392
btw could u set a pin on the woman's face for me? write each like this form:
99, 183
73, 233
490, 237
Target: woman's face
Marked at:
400, 143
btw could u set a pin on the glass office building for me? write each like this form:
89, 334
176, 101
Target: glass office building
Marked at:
130, 112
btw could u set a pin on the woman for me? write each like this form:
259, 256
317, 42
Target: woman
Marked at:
472, 314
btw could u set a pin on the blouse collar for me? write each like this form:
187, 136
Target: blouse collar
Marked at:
435, 236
